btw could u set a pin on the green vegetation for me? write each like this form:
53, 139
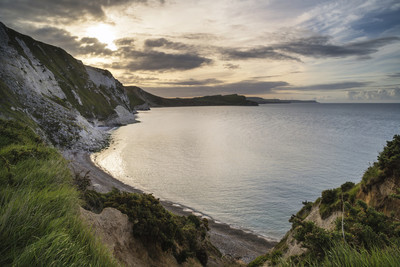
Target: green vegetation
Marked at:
39, 212
366, 237
155, 226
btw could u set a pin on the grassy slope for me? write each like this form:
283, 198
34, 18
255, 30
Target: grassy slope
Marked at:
39, 211
371, 237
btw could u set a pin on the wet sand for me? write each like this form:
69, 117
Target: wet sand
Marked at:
231, 242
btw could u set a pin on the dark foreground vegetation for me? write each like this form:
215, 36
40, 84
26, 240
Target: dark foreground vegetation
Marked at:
366, 235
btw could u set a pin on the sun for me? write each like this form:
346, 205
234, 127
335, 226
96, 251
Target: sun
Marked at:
104, 33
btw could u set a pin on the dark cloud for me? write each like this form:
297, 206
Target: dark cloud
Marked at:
375, 95
57, 37
330, 86
319, 46
92, 46
129, 42
72, 44
263, 52
243, 88
59, 10
164, 43
231, 66
192, 82
394, 75
316, 46
160, 61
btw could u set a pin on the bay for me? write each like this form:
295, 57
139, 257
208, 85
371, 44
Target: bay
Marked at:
250, 167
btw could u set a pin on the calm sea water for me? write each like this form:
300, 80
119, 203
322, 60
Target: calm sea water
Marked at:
250, 167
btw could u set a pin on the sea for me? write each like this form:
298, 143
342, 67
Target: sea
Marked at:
249, 167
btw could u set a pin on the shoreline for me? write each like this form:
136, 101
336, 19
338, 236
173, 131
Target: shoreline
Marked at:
232, 242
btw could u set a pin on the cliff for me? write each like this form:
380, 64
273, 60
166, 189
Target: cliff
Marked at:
66, 99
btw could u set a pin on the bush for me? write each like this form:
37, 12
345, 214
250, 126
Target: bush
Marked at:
347, 186
389, 158
329, 196
153, 224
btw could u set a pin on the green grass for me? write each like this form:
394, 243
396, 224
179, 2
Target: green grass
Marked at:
344, 255
39, 207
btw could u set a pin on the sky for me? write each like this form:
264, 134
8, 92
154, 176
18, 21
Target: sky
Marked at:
324, 50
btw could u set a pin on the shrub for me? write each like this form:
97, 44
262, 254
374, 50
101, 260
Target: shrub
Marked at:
389, 158
329, 196
347, 186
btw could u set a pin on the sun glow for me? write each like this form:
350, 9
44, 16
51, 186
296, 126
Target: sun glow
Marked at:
104, 33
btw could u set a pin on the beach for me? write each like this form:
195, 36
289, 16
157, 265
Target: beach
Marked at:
235, 243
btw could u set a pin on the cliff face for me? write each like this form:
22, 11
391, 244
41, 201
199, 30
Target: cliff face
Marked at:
67, 99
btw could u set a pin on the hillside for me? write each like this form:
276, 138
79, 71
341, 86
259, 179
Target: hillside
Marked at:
353, 225
150, 100
49, 88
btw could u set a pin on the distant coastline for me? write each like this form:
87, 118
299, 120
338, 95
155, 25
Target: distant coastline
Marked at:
260, 101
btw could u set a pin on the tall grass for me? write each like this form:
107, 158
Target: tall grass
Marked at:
343, 255
39, 208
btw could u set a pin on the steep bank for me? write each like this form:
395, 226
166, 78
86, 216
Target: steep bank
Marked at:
353, 225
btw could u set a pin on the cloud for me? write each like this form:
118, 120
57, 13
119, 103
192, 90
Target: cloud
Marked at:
330, 86
164, 43
60, 10
130, 42
57, 37
200, 36
231, 66
149, 59
192, 82
75, 46
394, 75
159, 61
315, 46
375, 95
263, 52
92, 46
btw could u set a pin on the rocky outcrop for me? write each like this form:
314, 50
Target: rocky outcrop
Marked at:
379, 194
115, 231
294, 247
